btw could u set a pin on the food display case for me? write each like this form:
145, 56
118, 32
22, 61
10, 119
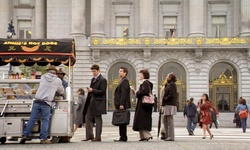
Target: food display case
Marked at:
15, 112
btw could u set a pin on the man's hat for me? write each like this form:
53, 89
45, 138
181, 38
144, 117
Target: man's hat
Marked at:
60, 70
52, 67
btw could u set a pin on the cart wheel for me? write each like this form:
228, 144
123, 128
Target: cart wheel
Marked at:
3, 140
55, 139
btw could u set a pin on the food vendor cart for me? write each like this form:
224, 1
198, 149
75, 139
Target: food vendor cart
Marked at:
14, 113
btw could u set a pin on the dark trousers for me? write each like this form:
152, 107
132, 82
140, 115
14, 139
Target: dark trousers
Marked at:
89, 125
123, 132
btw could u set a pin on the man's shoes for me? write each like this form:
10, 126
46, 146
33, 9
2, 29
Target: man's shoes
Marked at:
120, 140
163, 138
13, 139
96, 140
24, 139
45, 141
84, 140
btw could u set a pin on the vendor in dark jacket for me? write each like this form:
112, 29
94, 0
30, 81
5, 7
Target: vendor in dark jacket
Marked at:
191, 110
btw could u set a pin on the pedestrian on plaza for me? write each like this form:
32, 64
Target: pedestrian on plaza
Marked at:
163, 131
170, 106
143, 112
214, 119
237, 120
185, 109
42, 104
95, 104
205, 116
242, 107
122, 100
191, 110
156, 102
79, 108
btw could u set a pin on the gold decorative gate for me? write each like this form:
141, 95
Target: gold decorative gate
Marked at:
222, 92
223, 86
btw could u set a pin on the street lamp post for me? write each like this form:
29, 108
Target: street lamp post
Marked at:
10, 32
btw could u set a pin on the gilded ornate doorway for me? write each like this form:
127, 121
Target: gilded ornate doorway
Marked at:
113, 81
181, 81
223, 86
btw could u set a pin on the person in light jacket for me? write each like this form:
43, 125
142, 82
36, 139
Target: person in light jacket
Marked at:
239, 108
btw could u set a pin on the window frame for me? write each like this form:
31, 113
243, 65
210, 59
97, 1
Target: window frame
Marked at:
122, 26
172, 30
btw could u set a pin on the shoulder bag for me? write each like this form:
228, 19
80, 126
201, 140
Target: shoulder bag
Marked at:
243, 113
149, 100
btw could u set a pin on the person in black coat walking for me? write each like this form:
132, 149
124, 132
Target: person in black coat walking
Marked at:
95, 104
143, 113
122, 100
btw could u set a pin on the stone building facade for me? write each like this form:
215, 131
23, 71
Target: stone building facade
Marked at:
205, 42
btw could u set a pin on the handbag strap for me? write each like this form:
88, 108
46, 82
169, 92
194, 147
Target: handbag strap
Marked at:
150, 92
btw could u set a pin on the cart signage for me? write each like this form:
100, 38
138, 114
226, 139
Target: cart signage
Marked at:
53, 51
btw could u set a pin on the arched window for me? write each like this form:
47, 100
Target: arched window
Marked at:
223, 87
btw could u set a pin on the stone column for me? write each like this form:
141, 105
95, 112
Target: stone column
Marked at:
146, 18
196, 18
97, 18
78, 18
40, 19
245, 18
5, 17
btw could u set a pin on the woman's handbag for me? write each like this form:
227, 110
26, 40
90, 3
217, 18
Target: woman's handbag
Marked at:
149, 100
243, 113
121, 117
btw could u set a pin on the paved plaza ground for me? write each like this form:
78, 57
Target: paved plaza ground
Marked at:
224, 139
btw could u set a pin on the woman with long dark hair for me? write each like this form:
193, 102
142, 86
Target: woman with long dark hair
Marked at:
205, 115
169, 103
239, 108
143, 112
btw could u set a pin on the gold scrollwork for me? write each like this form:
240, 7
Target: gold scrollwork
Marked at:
47, 48
11, 48
169, 41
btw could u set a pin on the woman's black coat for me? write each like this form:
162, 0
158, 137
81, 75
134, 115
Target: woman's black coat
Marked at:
143, 113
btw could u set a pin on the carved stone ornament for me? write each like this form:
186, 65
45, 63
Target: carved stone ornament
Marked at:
248, 58
147, 54
198, 55
95, 55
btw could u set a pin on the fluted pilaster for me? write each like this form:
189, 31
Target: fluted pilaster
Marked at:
5, 17
40, 19
78, 18
196, 18
97, 18
245, 18
146, 18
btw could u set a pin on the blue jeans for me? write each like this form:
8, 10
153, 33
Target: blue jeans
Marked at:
244, 124
45, 111
191, 124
